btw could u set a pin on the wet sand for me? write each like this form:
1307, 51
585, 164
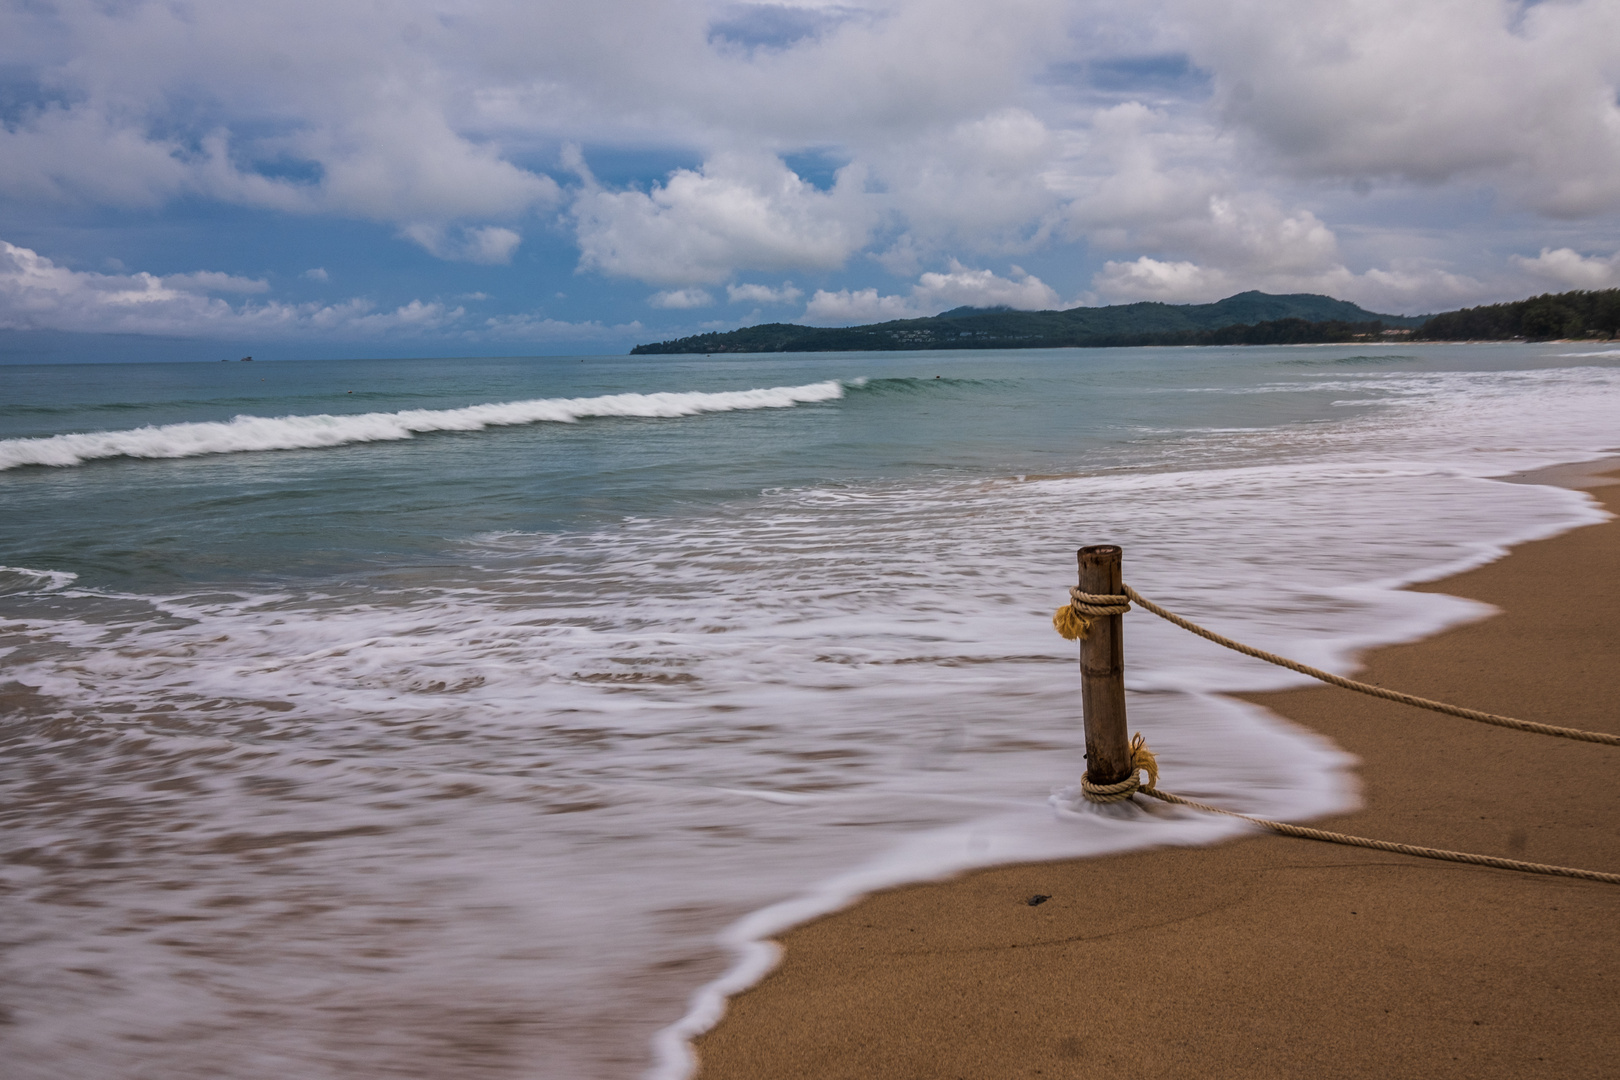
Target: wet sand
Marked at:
1274, 957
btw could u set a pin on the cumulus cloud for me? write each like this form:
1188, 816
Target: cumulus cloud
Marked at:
763, 294
861, 306
1523, 95
933, 293
1232, 136
147, 103
1156, 187
680, 299
984, 184
525, 327
1568, 268
1179, 282
1402, 288
36, 293
491, 245
739, 212
1139, 179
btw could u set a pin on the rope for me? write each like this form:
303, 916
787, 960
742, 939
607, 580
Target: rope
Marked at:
1142, 760
1085, 608
1074, 621
1386, 845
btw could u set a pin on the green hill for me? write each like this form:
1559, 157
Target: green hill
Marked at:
1267, 319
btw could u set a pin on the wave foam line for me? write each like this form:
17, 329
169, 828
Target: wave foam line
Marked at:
250, 433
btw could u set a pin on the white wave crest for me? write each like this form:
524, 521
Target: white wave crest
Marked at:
22, 579
247, 433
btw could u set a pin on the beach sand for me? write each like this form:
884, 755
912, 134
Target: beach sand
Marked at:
1268, 956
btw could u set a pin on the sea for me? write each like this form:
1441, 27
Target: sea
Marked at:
487, 717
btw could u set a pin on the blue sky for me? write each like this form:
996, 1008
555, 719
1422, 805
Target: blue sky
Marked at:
405, 177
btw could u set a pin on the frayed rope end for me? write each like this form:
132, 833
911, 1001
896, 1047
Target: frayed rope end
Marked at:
1070, 623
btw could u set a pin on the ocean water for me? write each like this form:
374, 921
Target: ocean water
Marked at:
480, 718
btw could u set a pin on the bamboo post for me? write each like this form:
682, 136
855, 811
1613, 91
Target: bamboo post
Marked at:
1102, 672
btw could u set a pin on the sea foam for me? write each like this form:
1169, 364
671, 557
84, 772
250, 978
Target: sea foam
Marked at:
249, 433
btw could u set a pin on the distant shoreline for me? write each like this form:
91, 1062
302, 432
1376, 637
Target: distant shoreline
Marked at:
1251, 318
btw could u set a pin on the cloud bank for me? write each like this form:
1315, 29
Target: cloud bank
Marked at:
933, 293
37, 294
1406, 156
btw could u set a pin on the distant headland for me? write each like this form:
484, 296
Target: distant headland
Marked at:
1249, 318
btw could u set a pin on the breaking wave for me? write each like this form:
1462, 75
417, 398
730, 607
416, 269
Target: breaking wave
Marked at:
251, 433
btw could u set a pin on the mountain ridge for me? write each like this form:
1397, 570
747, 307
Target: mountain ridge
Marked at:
1147, 322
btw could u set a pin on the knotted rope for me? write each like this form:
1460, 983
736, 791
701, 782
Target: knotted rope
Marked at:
1074, 620
1085, 607
1142, 760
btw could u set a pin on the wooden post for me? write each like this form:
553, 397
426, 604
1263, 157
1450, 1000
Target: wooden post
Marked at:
1102, 672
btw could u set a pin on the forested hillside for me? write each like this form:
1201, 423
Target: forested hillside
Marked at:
1268, 319
1540, 318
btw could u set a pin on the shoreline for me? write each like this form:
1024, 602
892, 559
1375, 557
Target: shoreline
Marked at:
1236, 959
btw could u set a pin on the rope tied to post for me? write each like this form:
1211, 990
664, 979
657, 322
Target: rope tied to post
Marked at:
1142, 761
1074, 623
1074, 619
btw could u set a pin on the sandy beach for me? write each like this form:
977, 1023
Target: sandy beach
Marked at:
1268, 956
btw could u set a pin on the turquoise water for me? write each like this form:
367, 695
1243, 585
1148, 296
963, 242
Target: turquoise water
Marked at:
258, 516
471, 717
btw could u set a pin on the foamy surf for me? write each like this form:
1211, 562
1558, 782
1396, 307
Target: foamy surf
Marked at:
257, 433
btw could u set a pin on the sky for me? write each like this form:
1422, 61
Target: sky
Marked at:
513, 177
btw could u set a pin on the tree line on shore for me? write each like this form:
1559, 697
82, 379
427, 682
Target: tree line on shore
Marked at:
1546, 317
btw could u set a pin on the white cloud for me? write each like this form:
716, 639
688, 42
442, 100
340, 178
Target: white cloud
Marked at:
861, 306
962, 127
983, 184
490, 245
299, 107
763, 294
64, 154
680, 299
316, 273
38, 294
1403, 288
739, 212
903, 258
1523, 96
1572, 270
541, 328
1138, 179
1179, 282
933, 293
982, 288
